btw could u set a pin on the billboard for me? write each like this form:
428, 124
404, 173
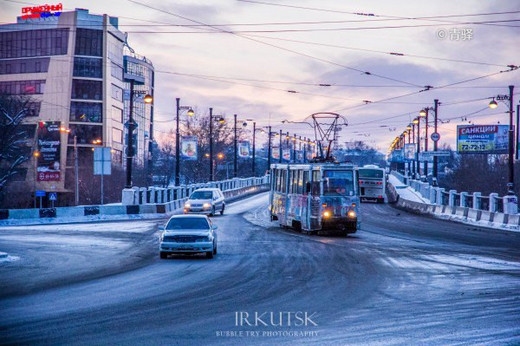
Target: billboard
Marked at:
49, 147
409, 151
286, 154
189, 148
482, 139
275, 152
243, 149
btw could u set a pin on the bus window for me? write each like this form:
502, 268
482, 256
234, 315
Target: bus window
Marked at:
338, 183
300, 182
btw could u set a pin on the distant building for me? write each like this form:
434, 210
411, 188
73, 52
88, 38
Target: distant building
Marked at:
72, 65
142, 71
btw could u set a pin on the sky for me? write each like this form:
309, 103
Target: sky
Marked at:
265, 60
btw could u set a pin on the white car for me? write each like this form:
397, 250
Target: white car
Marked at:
189, 234
207, 201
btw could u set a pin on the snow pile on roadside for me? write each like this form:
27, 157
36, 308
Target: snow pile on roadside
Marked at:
405, 191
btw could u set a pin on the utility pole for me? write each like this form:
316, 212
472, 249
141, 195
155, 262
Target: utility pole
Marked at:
426, 142
280, 148
511, 162
177, 145
130, 148
235, 160
269, 149
435, 144
210, 144
254, 138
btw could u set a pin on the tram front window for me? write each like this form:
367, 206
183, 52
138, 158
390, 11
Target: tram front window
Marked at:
338, 183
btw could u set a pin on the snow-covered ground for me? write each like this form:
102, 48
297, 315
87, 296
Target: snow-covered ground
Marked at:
406, 191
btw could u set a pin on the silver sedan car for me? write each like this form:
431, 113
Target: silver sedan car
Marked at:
207, 201
189, 234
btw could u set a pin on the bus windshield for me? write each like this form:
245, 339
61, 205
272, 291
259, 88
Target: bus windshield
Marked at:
338, 183
371, 173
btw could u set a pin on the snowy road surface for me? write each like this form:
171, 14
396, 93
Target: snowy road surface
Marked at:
402, 279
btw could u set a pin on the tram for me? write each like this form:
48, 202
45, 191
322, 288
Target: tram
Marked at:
315, 197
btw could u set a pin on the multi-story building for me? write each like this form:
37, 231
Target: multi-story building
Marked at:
71, 64
142, 71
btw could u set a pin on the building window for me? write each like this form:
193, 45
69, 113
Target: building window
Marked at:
27, 87
117, 93
117, 136
32, 65
86, 112
88, 67
87, 89
117, 114
86, 134
116, 71
89, 42
19, 44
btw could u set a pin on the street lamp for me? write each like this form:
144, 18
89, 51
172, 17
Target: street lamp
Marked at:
177, 139
221, 120
493, 104
416, 167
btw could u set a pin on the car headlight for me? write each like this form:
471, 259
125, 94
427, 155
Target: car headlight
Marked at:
351, 214
206, 205
187, 205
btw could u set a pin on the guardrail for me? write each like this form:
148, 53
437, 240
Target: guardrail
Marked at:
152, 195
439, 196
153, 200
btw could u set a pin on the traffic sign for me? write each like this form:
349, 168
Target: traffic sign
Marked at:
53, 196
40, 193
435, 136
127, 125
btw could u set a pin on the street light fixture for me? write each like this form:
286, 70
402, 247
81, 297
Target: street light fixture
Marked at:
493, 104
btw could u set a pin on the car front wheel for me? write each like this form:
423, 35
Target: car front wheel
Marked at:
209, 254
222, 210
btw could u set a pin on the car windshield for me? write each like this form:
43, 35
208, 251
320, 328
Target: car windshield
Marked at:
202, 195
370, 173
187, 223
338, 183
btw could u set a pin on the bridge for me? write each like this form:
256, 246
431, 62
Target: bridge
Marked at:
404, 278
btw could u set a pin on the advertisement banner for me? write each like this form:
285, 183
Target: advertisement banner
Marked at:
189, 148
243, 149
482, 139
299, 156
409, 151
286, 154
49, 147
310, 155
275, 153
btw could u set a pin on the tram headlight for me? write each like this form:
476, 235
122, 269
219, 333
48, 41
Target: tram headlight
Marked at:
327, 214
351, 214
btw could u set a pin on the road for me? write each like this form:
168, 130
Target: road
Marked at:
402, 279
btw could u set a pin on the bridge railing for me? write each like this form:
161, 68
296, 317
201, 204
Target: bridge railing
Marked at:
161, 195
439, 196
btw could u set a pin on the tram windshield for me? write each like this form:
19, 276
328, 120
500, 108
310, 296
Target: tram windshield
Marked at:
338, 183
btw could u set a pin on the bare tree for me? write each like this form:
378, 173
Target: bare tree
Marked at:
13, 138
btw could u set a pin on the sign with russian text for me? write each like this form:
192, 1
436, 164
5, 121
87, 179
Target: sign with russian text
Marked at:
482, 139
49, 147
43, 11
189, 148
